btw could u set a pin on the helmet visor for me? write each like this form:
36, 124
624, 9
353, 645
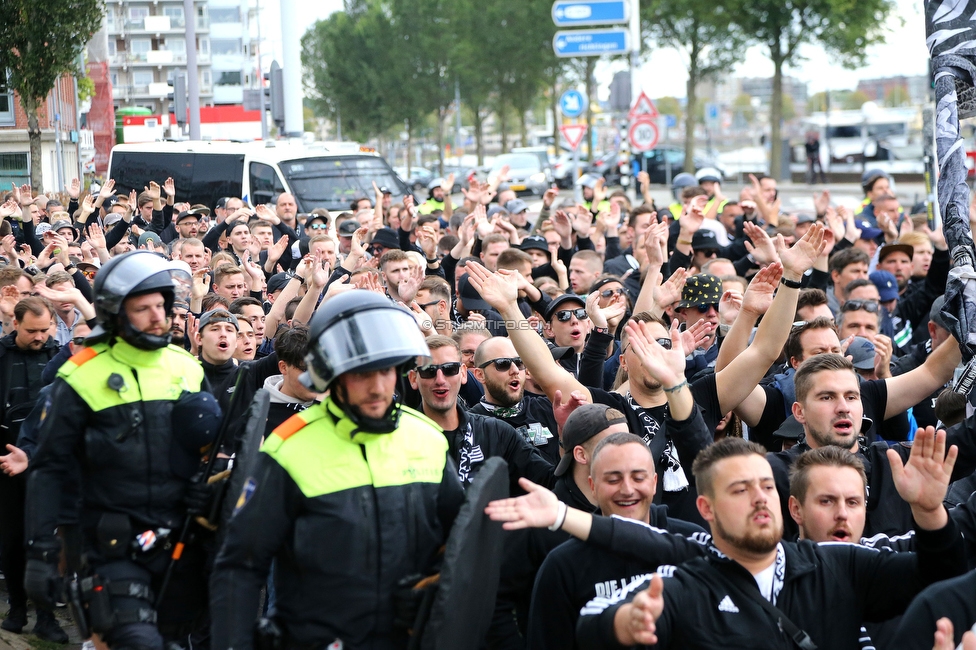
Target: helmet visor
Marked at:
143, 272
371, 340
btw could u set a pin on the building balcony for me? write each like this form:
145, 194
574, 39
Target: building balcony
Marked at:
158, 58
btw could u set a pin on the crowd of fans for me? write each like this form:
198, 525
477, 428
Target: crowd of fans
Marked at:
722, 377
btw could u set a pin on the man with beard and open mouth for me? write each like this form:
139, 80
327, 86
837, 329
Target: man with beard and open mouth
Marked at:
747, 585
501, 371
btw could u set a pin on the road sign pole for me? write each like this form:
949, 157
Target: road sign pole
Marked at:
577, 188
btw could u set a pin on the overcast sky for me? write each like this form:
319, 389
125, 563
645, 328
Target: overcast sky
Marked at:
664, 72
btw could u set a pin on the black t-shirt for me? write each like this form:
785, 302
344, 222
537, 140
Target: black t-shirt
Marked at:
533, 421
648, 423
874, 400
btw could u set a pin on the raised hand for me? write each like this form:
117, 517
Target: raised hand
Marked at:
669, 292
821, 201
762, 248
537, 508
265, 213
448, 184
96, 236
409, 285
427, 240
800, 257
153, 190
665, 366
550, 196
356, 245
695, 335
656, 243
107, 190
693, 218
923, 481
24, 195
729, 306
562, 410
882, 356
498, 289
562, 224
759, 294
169, 186
73, 188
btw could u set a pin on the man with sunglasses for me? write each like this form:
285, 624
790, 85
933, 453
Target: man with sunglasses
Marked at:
501, 371
472, 438
567, 326
859, 318
699, 301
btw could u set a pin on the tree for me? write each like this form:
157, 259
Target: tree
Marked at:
817, 102
897, 96
842, 27
42, 41
742, 106
701, 30
668, 106
854, 100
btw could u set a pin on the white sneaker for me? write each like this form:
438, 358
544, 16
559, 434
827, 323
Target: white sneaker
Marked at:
88, 645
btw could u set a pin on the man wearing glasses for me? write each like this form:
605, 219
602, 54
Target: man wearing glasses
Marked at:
500, 370
699, 301
567, 326
472, 438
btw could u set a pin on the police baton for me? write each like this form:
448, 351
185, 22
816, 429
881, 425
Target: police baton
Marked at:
207, 469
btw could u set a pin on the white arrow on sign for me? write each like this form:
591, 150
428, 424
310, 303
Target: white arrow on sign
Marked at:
643, 134
573, 133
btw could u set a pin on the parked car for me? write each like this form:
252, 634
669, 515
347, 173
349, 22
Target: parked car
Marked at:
417, 179
542, 153
657, 160
526, 173
562, 171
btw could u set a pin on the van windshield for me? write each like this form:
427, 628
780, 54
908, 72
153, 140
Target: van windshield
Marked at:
334, 183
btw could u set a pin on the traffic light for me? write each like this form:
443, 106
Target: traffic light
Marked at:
620, 92
179, 98
276, 94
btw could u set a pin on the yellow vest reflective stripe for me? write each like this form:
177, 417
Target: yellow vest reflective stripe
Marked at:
146, 375
323, 452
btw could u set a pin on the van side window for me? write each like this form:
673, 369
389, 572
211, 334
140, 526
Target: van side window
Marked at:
264, 182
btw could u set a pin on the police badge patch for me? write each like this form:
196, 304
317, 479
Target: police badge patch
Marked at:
246, 493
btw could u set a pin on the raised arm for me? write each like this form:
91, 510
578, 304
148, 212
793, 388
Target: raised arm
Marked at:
500, 290
905, 391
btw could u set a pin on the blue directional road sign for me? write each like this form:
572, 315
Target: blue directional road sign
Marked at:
572, 104
586, 13
591, 42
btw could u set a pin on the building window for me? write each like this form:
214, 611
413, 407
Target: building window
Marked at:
229, 78
114, 77
226, 46
6, 100
142, 78
225, 14
138, 13
205, 78
176, 45
14, 168
204, 48
175, 15
140, 45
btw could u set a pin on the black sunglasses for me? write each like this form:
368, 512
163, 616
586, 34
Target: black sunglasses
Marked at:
664, 343
606, 293
425, 305
502, 364
857, 305
78, 340
450, 369
564, 315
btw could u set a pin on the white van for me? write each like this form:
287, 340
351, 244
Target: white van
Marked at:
319, 175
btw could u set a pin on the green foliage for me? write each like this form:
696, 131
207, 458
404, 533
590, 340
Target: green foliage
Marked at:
852, 101
817, 103
668, 106
742, 105
845, 28
43, 40
897, 96
86, 89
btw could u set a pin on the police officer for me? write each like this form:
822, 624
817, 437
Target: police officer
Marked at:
107, 430
437, 197
349, 497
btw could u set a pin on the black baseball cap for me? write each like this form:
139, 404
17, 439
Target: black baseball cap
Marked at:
704, 240
535, 242
470, 297
278, 281
582, 424
559, 301
700, 290
348, 228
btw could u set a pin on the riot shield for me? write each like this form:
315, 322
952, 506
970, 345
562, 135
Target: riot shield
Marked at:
245, 456
465, 599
